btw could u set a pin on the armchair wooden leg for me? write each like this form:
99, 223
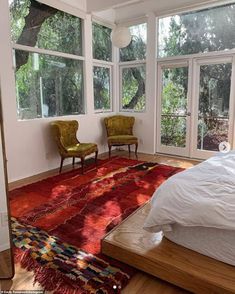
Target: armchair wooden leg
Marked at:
96, 156
61, 164
110, 150
82, 164
73, 161
129, 149
136, 147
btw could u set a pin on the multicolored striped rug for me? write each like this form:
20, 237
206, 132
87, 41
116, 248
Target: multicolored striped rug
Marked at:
58, 223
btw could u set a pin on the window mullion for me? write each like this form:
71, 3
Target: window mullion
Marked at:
47, 52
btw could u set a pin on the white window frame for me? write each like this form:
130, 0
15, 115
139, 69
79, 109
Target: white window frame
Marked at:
197, 153
193, 61
106, 64
50, 52
180, 151
110, 67
131, 64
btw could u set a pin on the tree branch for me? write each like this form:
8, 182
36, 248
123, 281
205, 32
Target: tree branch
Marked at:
38, 13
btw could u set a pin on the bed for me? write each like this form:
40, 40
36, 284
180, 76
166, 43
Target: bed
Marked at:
195, 210
216, 243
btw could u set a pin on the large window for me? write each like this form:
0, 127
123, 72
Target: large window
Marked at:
48, 60
201, 31
102, 67
195, 101
133, 70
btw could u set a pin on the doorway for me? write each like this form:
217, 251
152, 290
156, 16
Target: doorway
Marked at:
195, 106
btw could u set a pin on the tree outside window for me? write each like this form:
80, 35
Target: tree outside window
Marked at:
46, 84
133, 76
202, 31
102, 71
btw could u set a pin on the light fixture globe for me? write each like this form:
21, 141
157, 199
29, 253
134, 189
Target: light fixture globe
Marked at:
121, 37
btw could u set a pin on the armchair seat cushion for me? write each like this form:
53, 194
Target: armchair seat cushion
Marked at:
81, 149
122, 140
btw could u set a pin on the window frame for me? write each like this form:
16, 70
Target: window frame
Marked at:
110, 67
16, 46
106, 64
186, 10
193, 61
132, 63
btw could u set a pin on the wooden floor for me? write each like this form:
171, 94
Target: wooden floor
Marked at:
5, 264
152, 253
141, 283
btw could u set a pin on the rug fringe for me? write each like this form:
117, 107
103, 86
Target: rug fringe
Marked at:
52, 280
48, 278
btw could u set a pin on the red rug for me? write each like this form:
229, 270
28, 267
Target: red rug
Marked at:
58, 223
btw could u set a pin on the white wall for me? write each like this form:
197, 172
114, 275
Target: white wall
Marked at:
29, 146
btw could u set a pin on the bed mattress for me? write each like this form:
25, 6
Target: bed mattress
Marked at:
216, 243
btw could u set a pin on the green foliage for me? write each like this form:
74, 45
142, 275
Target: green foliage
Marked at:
101, 42
102, 50
48, 85
136, 50
133, 78
174, 103
133, 88
203, 31
101, 83
61, 32
18, 11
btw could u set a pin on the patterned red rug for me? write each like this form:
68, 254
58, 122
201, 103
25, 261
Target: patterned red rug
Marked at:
58, 223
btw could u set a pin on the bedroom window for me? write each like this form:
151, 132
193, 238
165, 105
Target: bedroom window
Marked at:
102, 67
48, 60
133, 71
202, 31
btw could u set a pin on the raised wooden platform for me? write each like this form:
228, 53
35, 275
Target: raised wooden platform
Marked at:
166, 260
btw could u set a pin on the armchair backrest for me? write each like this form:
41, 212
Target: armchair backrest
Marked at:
65, 133
119, 125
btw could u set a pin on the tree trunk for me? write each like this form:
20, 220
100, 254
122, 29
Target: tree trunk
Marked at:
38, 13
140, 91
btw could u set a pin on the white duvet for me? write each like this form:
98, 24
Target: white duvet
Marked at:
201, 196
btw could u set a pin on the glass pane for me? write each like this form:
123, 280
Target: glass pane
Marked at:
174, 106
174, 90
102, 45
202, 31
173, 131
38, 25
133, 88
136, 50
213, 113
49, 86
101, 87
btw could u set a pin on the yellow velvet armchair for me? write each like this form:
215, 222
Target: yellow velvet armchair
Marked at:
65, 135
120, 132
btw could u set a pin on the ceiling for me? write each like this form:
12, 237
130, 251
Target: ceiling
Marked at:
124, 10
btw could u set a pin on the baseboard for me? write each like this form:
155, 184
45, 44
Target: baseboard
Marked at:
4, 247
28, 180
178, 156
